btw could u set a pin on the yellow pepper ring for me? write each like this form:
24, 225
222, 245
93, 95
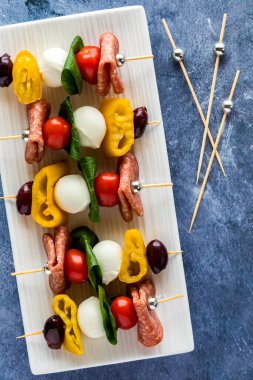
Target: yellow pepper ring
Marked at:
134, 261
67, 311
119, 118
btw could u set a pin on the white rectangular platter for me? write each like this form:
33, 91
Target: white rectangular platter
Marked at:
130, 26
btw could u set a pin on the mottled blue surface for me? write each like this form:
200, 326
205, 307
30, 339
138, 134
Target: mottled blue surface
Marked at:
218, 254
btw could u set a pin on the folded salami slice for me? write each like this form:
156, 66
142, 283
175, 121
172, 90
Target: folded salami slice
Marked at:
108, 72
149, 327
37, 114
129, 171
56, 248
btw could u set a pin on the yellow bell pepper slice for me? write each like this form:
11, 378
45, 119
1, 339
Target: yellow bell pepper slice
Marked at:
134, 261
44, 208
26, 78
67, 311
119, 118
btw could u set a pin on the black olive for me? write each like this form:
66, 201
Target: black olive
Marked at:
157, 256
6, 66
24, 198
140, 121
54, 332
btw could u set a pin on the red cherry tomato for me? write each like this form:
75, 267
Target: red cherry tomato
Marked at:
106, 189
88, 60
75, 266
56, 133
124, 312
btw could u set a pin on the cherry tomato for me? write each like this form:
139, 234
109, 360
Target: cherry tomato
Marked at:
124, 312
88, 60
75, 266
106, 189
56, 133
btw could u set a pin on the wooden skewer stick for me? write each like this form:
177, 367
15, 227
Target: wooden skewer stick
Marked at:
201, 193
158, 301
174, 252
30, 271
209, 110
193, 95
170, 298
148, 185
153, 122
11, 137
139, 57
30, 334
8, 197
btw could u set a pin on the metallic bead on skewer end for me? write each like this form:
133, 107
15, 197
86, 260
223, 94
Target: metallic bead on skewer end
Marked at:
227, 105
136, 186
178, 54
152, 303
46, 269
25, 135
121, 59
219, 48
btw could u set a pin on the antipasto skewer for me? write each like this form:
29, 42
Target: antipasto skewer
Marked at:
124, 312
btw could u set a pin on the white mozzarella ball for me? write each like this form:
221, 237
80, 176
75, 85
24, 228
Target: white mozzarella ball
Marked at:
71, 193
91, 126
51, 66
109, 257
90, 319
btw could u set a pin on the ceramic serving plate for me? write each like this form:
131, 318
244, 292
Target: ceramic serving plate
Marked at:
130, 26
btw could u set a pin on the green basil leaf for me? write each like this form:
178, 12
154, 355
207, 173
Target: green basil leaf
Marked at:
66, 112
84, 239
108, 319
88, 166
71, 77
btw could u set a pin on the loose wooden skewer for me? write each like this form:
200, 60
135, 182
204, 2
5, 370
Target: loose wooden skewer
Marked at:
209, 110
8, 197
201, 193
16, 137
41, 331
193, 95
38, 270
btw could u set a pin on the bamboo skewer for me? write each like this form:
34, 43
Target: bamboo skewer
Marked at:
38, 270
157, 301
139, 57
209, 110
30, 334
8, 197
193, 95
149, 185
11, 137
16, 137
224, 117
170, 298
30, 271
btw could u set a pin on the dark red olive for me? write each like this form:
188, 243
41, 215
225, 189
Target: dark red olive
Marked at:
157, 256
24, 198
140, 121
6, 66
54, 332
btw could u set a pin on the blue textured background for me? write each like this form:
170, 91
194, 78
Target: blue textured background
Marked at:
218, 254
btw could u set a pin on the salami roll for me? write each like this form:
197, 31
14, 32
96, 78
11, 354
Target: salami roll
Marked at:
128, 201
56, 248
149, 327
37, 114
107, 70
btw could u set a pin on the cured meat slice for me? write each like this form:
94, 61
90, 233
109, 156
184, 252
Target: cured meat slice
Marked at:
107, 70
37, 114
129, 171
149, 327
56, 248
